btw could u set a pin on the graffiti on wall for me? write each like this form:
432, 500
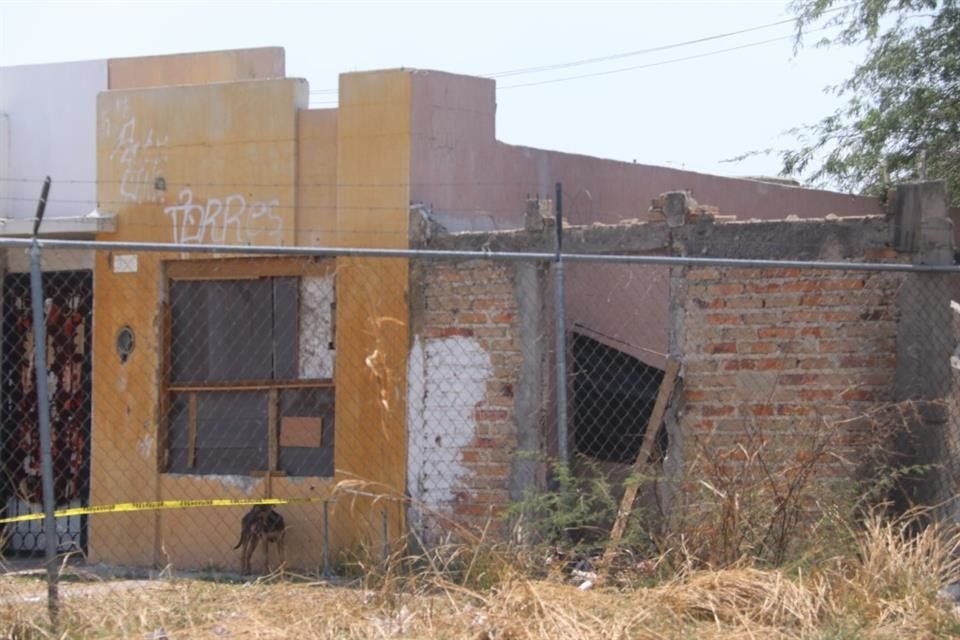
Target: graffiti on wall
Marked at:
224, 220
139, 152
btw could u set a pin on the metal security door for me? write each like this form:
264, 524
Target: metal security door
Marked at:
68, 309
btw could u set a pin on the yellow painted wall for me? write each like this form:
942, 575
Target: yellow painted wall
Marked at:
373, 168
226, 154
196, 68
373, 159
201, 163
123, 444
316, 218
353, 170
172, 161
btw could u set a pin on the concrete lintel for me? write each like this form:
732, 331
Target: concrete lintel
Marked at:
807, 239
629, 237
68, 225
513, 240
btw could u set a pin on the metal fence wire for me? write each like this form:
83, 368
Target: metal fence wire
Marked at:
68, 308
378, 401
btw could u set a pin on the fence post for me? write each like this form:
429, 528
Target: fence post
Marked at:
561, 338
43, 411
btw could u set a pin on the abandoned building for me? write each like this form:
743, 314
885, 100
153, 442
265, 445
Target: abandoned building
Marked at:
266, 376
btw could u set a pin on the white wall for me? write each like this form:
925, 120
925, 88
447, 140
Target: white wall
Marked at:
51, 118
4, 158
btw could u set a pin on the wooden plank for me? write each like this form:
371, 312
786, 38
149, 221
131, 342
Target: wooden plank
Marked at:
261, 473
242, 268
163, 424
162, 460
192, 431
333, 318
255, 385
273, 448
646, 448
273, 442
301, 431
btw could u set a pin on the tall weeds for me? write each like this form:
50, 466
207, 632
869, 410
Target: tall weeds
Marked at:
887, 588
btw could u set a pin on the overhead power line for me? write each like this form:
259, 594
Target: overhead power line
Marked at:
630, 54
637, 52
659, 63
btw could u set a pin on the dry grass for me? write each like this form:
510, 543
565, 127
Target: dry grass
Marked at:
888, 590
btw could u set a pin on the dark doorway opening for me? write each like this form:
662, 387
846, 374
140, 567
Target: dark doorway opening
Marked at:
614, 394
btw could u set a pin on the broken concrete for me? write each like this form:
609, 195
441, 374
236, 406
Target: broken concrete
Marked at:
809, 239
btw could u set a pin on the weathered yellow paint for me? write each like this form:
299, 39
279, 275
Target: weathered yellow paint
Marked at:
156, 147
123, 457
373, 159
203, 152
316, 218
373, 168
328, 178
196, 68
200, 136
202, 537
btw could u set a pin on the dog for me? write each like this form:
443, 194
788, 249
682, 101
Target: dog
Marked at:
262, 522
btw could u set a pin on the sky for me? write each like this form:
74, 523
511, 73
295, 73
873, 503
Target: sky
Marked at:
634, 105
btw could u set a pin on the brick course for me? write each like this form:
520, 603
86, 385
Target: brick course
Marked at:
768, 350
476, 300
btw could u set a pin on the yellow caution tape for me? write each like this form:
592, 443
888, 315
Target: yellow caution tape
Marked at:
160, 504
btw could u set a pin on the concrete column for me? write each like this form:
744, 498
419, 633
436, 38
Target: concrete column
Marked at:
531, 397
924, 379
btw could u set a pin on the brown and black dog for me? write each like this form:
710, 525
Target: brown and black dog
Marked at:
262, 522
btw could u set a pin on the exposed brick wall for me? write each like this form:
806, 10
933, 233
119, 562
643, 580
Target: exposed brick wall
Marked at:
785, 353
468, 372
788, 372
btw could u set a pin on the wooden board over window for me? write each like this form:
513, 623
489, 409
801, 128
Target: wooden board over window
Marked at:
236, 400
301, 432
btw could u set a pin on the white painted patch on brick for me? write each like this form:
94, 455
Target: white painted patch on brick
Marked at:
316, 327
446, 379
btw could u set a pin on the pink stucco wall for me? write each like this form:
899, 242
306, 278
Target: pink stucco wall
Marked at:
473, 181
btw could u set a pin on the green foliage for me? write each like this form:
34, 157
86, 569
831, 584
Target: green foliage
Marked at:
574, 514
901, 120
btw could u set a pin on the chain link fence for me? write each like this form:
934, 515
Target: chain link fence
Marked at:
383, 400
